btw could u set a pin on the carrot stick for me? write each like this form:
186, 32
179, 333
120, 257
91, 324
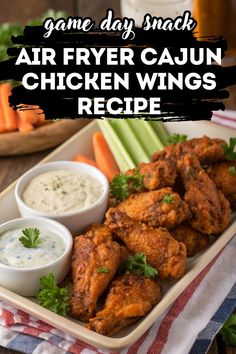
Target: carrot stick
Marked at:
39, 116
25, 121
2, 122
103, 156
10, 117
85, 159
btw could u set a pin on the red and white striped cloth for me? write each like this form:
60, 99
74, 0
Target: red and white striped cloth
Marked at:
174, 333
225, 118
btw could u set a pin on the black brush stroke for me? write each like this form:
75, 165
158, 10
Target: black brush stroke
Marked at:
175, 105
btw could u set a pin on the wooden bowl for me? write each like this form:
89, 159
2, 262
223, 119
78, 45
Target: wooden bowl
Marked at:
42, 138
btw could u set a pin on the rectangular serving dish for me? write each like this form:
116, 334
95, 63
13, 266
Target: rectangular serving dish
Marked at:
82, 143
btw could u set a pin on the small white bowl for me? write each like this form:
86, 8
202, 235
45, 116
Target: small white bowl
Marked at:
25, 281
75, 221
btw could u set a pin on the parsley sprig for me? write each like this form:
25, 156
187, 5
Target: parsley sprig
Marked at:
30, 238
228, 331
102, 269
229, 149
123, 185
232, 170
168, 198
177, 138
137, 264
52, 297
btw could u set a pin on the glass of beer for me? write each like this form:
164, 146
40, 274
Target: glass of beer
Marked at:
217, 17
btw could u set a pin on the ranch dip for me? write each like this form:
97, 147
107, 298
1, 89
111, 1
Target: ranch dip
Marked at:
14, 254
61, 191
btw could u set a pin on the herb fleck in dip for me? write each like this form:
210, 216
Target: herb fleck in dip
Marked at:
60, 191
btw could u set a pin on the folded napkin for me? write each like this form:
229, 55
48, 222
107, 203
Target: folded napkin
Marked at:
225, 118
188, 326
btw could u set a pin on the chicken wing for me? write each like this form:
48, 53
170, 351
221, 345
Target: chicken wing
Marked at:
224, 176
210, 209
163, 252
130, 297
206, 149
156, 208
158, 174
194, 240
95, 260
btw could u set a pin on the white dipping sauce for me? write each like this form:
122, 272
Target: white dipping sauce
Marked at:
60, 191
14, 254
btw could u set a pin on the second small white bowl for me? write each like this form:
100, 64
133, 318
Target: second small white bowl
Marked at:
75, 221
25, 281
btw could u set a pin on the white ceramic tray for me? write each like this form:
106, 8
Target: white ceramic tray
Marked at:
82, 143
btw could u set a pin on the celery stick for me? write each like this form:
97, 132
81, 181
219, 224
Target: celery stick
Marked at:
153, 135
146, 136
119, 152
160, 130
130, 141
157, 144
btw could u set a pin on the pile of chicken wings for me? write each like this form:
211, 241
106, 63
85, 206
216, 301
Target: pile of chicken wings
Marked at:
188, 192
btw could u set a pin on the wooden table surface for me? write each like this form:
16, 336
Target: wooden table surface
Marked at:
12, 167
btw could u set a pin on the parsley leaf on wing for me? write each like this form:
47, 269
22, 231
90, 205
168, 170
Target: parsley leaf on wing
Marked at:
229, 149
123, 185
52, 297
232, 170
136, 182
177, 138
137, 264
102, 269
168, 198
30, 238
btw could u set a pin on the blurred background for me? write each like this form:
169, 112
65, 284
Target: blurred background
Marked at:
214, 17
23, 10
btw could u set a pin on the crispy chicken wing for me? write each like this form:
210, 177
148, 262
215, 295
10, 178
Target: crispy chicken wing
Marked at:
206, 149
158, 174
156, 208
95, 260
224, 176
163, 252
130, 297
194, 240
210, 209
